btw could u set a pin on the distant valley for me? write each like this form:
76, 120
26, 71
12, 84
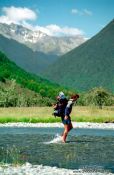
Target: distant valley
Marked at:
88, 65
26, 58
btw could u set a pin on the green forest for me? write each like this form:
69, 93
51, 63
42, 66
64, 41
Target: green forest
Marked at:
19, 88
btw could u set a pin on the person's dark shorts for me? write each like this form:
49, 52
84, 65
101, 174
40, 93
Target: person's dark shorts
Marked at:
67, 121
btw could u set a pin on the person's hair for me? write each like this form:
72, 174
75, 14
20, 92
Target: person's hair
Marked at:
74, 96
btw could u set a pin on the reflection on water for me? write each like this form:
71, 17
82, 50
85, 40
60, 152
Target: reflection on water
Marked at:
85, 148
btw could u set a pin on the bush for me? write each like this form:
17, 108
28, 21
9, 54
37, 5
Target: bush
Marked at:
99, 97
13, 95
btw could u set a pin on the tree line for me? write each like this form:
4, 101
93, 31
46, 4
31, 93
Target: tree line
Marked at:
20, 88
13, 95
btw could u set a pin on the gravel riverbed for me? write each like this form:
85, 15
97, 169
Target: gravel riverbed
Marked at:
60, 125
29, 169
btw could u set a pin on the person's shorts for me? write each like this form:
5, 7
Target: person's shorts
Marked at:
67, 121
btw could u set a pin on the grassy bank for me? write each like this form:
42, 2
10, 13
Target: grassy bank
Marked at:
44, 114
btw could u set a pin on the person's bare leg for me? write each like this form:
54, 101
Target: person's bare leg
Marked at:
66, 130
70, 127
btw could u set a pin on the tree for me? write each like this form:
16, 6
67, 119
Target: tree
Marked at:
98, 97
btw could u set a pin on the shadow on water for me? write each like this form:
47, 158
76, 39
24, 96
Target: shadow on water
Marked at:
85, 148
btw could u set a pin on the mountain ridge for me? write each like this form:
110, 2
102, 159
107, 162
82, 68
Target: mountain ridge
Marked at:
34, 62
89, 65
39, 41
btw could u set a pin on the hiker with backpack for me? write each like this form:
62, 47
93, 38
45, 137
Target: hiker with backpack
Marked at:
63, 109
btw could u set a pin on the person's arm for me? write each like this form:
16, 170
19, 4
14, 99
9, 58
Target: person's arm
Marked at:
68, 109
55, 106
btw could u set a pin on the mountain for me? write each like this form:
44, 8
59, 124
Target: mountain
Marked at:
39, 41
57, 45
26, 58
20, 33
46, 91
89, 65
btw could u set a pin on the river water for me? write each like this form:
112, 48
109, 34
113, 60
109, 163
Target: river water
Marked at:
87, 150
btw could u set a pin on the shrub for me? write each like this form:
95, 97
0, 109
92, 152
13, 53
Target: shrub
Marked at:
99, 97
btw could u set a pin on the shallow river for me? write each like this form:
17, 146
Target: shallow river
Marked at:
88, 149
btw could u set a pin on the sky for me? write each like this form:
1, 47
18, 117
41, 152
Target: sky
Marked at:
59, 17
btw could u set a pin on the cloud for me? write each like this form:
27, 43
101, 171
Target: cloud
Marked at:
55, 30
87, 12
83, 12
74, 11
17, 15
22, 16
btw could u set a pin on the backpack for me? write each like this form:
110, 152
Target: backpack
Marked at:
59, 111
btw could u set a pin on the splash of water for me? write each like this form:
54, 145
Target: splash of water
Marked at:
57, 139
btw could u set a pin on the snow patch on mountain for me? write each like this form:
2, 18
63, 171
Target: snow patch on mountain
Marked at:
39, 41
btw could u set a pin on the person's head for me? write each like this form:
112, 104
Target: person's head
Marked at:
74, 97
61, 95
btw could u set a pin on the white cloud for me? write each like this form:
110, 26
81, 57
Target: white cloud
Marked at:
83, 12
74, 11
87, 12
17, 15
55, 30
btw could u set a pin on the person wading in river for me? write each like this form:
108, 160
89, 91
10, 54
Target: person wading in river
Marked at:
63, 109
67, 119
